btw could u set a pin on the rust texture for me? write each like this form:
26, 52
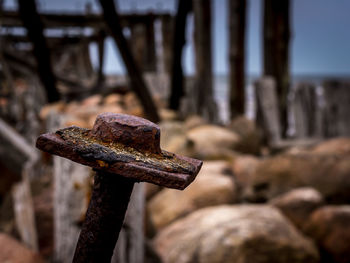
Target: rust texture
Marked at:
123, 150
125, 145
104, 218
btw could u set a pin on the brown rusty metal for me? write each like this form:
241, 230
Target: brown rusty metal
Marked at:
125, 145
123, 149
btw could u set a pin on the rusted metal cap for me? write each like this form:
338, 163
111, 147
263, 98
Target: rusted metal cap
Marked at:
124, 145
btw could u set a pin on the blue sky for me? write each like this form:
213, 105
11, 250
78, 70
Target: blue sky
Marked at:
320, 42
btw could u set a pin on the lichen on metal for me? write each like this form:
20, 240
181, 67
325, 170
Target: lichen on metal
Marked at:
128, 157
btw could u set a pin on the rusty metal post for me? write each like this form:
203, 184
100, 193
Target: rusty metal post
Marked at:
123, 149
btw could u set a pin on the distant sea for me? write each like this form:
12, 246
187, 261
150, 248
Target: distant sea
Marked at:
221, 91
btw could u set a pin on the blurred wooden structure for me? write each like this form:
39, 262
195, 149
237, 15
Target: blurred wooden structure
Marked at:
68, 37
315, 112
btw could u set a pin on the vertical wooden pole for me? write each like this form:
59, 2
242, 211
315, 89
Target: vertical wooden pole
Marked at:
206, 105
237, 23
31, 21
177, 82
151, 61
137, 82
168, 29
101, 55
276, 49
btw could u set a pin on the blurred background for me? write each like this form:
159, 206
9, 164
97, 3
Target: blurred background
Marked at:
258, 89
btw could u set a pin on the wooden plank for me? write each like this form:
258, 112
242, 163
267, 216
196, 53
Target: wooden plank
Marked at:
305, 111
268, 117
72, 186
24, 209
336, 109
61, 20
130, 245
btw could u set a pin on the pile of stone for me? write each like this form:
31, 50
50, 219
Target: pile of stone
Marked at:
246, 204
244, 207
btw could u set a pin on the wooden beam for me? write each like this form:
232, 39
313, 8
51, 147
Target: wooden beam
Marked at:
52, 41
13, 58
137, 82
59, 20
31, 21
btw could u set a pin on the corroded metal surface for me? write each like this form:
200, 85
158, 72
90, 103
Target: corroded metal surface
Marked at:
104, 218
123, 149
125, 145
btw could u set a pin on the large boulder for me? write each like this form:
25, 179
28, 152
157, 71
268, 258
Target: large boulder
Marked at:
213, 142
211, 187
329, 227
298, 204
236, 233
326, 171
13, 251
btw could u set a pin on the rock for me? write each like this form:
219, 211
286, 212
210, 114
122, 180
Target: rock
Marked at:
13, 251
173, 138
132, 104
56, 107
212, 135
209, 189
334, 146
250, 138
92, 100
113, 99
329, 227
327, 173
244, 166
216, 167
194, 121
236, 233
298, 204
168, 115
213, 142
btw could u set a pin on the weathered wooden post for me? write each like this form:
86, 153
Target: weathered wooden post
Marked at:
336, 109
178, 41
167, 24
276, 33
305, 111
268, 116
237, 22
204, 94
123, 149
136, 80
31, 21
